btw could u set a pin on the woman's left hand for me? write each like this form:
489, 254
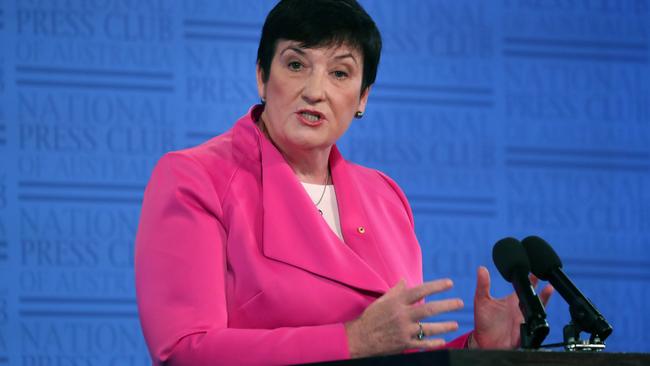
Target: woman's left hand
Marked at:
496, 321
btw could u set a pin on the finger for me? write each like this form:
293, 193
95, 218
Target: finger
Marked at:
430, 329
400, 285
417, 293
434, 308
397, 289
533, 280
482, 283
546, 293
426, 343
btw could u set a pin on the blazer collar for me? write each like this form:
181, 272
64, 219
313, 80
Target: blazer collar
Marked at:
296, 234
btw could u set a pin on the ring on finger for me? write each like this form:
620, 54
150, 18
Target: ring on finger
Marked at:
420, 334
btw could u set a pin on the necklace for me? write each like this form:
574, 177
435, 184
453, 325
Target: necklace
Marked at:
327, 179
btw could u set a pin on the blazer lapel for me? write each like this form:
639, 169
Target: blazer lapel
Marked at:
296, 234
359, 231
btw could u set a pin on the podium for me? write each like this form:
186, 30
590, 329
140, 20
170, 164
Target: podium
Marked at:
514, 358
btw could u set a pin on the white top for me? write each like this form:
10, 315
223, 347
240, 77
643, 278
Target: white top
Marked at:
327, 205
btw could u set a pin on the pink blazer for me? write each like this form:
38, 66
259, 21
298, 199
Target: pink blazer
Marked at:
234, 264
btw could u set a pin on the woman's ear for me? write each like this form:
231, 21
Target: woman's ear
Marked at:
363, 100
261, 85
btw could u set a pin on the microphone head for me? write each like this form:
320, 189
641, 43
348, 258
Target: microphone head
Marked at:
508, 254
542, 257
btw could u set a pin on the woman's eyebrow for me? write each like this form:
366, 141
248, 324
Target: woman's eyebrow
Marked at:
346, 55
302, 52
295, 49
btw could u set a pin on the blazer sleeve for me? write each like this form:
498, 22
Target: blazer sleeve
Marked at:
180, 269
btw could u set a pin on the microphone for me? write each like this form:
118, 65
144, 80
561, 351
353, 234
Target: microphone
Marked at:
511, 260
546, 265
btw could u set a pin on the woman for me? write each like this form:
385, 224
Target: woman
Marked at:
264, 246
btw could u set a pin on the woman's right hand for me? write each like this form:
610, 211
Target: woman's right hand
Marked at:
390, 324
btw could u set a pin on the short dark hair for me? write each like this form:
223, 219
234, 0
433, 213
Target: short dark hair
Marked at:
316, 23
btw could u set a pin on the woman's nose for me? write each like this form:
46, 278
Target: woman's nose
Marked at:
314, 89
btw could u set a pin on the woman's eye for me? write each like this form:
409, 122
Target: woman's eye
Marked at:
340, 74
295, 66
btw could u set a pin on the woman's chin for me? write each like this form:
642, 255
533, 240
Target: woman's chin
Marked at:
309, 143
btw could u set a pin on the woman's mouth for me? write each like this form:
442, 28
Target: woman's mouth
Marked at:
312, 118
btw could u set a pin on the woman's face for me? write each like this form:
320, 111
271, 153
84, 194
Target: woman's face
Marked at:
311, 95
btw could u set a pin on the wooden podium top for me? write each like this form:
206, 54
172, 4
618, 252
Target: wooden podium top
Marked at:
519, 358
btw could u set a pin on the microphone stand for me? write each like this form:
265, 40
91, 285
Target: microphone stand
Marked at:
534, 329
582, 322
533, 332
573, 342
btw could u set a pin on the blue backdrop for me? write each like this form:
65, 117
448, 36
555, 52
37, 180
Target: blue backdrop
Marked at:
497, 118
